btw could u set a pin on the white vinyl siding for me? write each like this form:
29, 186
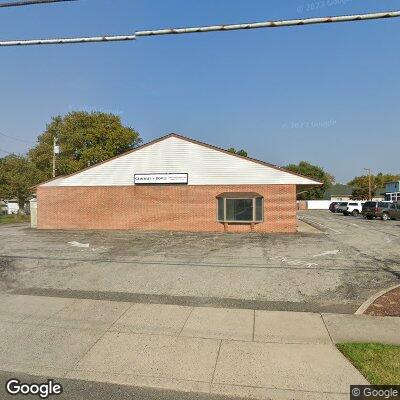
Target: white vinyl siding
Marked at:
204, 165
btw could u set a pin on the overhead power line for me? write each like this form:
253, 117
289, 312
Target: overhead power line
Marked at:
202, 29
30, 2
15, 138
68, 40
273, 24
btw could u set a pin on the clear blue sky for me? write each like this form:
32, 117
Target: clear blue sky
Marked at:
329, 94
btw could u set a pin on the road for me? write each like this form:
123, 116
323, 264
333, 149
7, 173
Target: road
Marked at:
374, 239
333, 271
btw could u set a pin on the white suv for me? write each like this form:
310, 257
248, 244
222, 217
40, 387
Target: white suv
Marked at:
351, 207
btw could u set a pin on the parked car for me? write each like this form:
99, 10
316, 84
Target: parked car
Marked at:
394, 211
376, 209
350, 207
333, 206
341, 206
354, 208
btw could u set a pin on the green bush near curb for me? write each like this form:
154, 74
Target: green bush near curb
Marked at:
379, 363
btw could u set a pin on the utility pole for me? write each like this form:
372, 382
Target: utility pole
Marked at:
56, 150
369, 183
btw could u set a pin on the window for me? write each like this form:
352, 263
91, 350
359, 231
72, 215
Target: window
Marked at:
240, 207
221, 209
259, 209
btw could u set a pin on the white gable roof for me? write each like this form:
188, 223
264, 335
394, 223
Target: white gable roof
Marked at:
204, 164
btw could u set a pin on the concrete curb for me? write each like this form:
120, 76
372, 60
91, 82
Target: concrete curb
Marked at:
307, 227
376, 296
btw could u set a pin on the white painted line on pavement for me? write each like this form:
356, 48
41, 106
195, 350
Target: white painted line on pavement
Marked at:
77, 244
327, 253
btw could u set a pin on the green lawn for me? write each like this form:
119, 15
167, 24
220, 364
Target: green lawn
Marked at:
379, 363
12, 219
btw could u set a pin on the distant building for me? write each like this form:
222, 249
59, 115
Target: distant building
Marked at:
339, 192
9, 207
341, 198
392, 191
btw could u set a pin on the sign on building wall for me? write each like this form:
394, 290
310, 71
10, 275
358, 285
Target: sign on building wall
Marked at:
161, 179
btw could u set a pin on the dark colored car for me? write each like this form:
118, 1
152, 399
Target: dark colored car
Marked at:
376, 209
394, 211
333, 206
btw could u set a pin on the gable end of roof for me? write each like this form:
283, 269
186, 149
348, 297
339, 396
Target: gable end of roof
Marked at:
181, 137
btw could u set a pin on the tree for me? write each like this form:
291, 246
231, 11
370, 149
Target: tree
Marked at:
361, 184
17, 176
85, 139
361, 187
314, 172
381, 179
242, 152
360, 193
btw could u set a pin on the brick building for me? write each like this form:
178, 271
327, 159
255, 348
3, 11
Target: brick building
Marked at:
173, 183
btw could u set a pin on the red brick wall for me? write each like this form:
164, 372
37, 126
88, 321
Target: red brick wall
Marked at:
177, 208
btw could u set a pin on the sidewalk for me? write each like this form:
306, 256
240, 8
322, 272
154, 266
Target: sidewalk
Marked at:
260, 354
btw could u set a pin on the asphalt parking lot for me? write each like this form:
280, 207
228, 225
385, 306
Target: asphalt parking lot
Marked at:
335, 270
